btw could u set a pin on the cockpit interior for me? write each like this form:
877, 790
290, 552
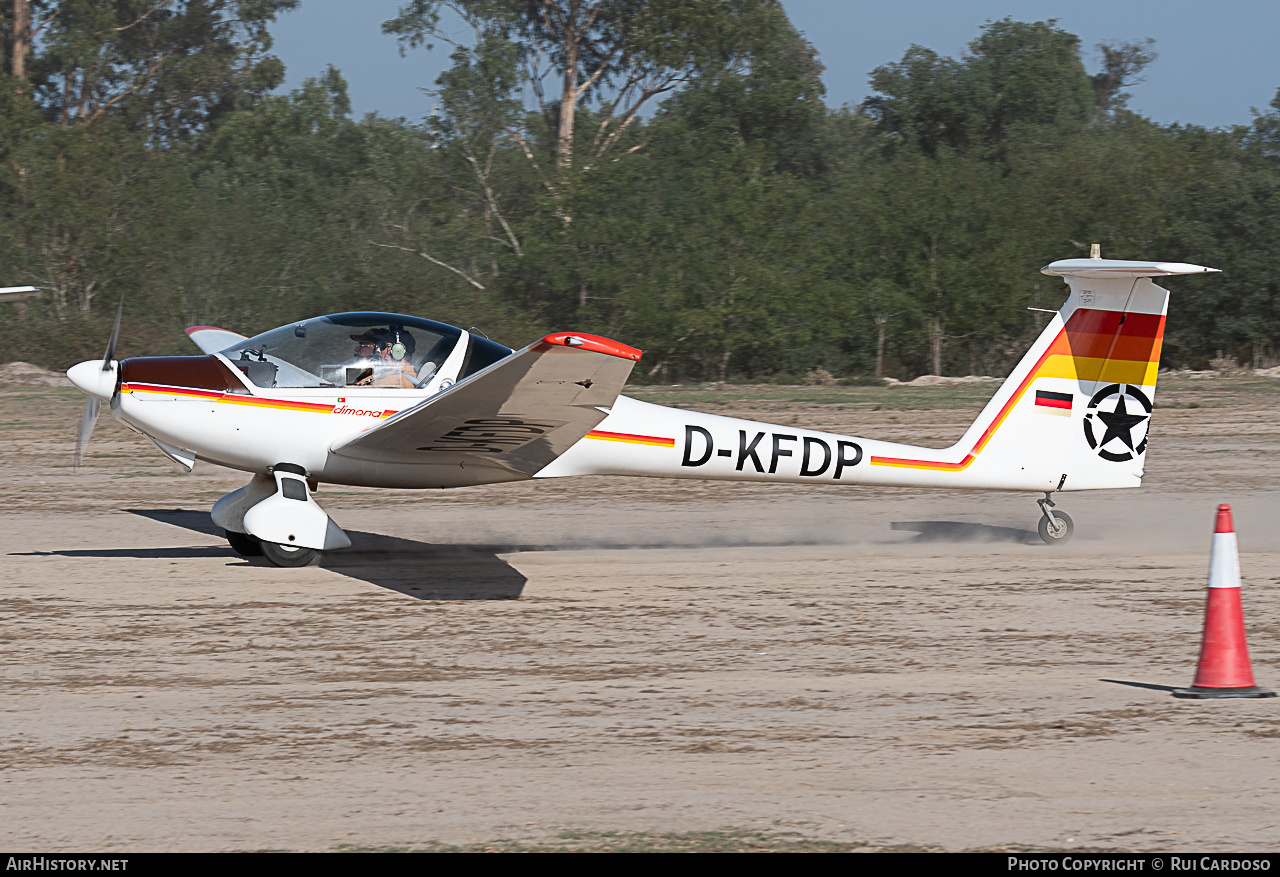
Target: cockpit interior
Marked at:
364, 349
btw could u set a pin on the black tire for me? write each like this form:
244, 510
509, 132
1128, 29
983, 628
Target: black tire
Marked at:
243, 544
288, 555
1062, 533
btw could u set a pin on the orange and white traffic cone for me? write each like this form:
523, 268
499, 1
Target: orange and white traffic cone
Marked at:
1224, 669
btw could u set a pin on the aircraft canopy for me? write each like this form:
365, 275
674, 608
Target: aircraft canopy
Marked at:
361, 349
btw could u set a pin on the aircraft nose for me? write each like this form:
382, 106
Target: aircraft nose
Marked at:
90, 378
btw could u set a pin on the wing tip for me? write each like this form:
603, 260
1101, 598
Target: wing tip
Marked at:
593, 343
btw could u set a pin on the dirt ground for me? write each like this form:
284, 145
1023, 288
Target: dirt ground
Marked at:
624, 655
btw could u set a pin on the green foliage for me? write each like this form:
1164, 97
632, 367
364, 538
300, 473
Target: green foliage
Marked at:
1016, 76
166, 69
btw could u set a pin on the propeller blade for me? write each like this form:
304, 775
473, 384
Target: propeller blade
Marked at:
87, 422
111, 345
90, 417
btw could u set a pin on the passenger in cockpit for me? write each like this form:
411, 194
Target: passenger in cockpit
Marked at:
388, 352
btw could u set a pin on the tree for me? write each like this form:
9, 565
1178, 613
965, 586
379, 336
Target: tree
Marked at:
72, 209
700, 245
619, 54
1015, 76
166, 67
1122, 64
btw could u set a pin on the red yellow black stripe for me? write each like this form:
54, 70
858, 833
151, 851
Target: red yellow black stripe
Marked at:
239, 399
631, 439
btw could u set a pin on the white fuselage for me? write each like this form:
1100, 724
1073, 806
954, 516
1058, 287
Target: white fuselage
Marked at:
258, 429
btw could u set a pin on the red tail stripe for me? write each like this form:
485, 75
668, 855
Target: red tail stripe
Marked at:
1101, 335
1091, 322
1108, 347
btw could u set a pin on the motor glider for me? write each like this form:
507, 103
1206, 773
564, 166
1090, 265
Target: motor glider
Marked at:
388, 400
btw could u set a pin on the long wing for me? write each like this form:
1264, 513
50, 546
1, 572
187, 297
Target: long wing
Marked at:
518, 414
211, 339
17, 293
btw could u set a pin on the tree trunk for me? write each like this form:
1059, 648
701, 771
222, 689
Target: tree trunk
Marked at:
939, 296
21, 37
86, 296
880, 321
66, 97
935, 344
569, 94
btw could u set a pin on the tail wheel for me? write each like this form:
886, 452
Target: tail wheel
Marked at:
288, 555
1057, 532
243, 544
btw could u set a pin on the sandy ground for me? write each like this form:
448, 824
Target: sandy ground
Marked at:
635, 655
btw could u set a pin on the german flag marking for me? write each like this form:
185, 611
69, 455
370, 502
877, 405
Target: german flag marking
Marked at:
627, 437
1054, 403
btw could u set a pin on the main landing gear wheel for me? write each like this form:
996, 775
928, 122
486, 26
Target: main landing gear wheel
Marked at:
287, 555
243, 544
1059, 531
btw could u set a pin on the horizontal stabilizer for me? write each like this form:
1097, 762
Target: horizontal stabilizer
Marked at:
1101, 269
211, 339
518, 414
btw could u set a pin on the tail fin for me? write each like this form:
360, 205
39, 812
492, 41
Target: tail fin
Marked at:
1074, 413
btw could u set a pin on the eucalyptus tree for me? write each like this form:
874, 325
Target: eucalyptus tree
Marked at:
165, 67
564, 86
619, 55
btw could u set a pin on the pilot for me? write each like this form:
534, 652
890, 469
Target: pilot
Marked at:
389, 352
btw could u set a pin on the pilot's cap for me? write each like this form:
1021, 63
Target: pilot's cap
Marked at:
400, 341
375, 338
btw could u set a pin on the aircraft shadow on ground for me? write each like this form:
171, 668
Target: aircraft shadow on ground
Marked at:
135, 553
428, 571
958, 531
367, 545
416, 569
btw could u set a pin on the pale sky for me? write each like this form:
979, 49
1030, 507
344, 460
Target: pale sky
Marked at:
1216, 61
